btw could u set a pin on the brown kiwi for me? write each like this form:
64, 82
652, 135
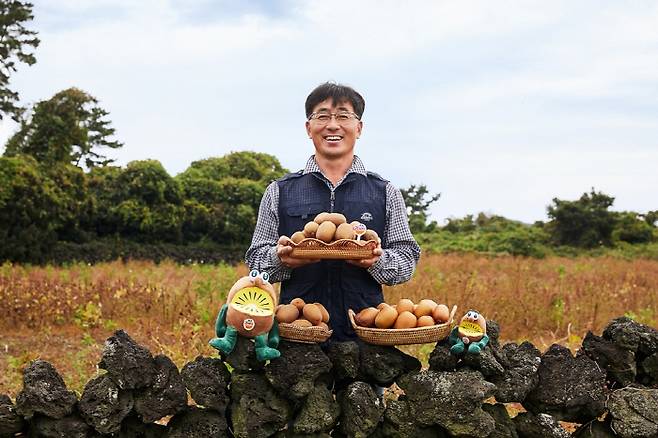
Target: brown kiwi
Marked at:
287, 313
370, 235
344, 231
325, 313
336, 218
386, 317
302, 323
310, 229
321, 218
326, 231
366, 317
312, 313
299, 303
297, 236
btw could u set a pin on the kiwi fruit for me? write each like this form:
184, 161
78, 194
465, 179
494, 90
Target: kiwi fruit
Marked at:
336, 218
321, 218
370, 235
326, 231
344, 231
310, 229
297, 237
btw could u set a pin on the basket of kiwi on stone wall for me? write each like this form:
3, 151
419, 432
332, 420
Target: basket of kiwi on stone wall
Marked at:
302, 322
403, 323
330, 236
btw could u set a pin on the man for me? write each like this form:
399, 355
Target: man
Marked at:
334, 180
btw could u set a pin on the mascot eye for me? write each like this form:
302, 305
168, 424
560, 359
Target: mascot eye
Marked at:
265, 276
254, 273
475, 315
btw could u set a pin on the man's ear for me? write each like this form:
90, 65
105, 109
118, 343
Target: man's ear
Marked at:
359, 129
308, 129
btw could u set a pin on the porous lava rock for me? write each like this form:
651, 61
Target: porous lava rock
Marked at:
361, 410
529, 425
632, 336
399, 423
485, 362
10, 421
441, 359
71, 426
103, 405
344, 357
196, 422
649, 369
133, 427
634, 412
452, 400
384, 365
493, 331
570, 388
504, 426
295, 372
594, 429
319, 412
521, 363
291, 434
166, 396
44, 392
207, 379
618, 362
128, 364
257, 411
243, 357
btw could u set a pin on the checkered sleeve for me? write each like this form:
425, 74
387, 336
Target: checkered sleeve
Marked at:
401, 252
262, 254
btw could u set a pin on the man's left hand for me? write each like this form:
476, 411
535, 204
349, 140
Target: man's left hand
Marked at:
366, 263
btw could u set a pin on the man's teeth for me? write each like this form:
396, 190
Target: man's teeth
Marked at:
333, 138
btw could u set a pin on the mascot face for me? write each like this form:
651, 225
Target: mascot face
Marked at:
472, 326
251, 303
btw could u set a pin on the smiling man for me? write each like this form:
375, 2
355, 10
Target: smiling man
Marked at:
334, 180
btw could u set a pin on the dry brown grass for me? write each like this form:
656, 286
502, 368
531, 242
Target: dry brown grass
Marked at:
64, 314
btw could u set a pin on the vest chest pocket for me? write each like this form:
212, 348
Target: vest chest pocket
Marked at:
305, 212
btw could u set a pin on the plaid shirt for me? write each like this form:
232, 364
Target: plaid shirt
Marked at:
400, 250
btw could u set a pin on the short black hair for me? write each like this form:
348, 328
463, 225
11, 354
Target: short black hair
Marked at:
337, 93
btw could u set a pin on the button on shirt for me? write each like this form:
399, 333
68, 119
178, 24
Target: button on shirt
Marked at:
400, 250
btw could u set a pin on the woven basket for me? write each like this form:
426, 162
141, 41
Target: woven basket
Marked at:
418, 335
343, 249
304, 335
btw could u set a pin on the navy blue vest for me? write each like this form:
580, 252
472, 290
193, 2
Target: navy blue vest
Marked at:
334, 283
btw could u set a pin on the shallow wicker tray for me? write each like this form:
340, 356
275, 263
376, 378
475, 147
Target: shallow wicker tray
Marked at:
418, 335
343, 249
305, 335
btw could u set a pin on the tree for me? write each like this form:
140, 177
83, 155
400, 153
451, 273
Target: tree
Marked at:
418, 206
585, 223
67, 128
16, 43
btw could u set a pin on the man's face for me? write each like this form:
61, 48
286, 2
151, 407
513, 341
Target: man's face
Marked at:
333, 139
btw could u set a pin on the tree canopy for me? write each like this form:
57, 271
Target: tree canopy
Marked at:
70, 127
16, 46
418, 207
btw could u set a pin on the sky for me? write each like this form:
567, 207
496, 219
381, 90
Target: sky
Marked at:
499, 106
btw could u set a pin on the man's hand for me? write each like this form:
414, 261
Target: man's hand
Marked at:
283, 251
366, 263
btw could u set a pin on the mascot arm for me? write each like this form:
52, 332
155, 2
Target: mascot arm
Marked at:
220, 324
454, 336
273, 336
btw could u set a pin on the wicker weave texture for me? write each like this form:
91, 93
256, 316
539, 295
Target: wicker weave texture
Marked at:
343, 249
305, 335
390, 337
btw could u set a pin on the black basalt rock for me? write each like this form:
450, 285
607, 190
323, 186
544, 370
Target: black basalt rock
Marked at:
195, 422
344, 357
618, 362
632, 336
71, 426
361, 410
594, 429
319, 412
243, 357
10, 422
570, 388
295, 372
452, 400
504, 426
634, 412
207, 379
166, 396
133, 427
103, 405
257, 411
649, 370
521, 363
484, 362
384, 365
128, 364
529, 425
44, 392
399, 423
441, 359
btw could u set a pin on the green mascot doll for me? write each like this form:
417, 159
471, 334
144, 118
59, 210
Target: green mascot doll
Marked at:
470, 335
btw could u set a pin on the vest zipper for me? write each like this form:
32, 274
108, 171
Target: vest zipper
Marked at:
332, 198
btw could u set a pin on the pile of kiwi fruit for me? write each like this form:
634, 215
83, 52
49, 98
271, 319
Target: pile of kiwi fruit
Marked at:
302, 314
329, 227
403, 315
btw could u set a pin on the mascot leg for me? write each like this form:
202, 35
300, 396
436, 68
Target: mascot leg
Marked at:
458, 348
227, 343
263, 352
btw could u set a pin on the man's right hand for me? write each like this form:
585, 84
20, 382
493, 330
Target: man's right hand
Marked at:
283, 251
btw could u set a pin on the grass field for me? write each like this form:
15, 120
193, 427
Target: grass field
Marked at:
63, 315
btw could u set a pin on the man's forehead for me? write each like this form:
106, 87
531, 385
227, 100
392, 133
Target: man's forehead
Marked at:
330, 104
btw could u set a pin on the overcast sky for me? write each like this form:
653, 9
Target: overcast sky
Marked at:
500, 106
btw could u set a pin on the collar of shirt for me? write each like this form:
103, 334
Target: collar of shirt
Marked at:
356, 167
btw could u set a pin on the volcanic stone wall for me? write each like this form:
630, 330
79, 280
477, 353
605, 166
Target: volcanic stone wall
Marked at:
609, 388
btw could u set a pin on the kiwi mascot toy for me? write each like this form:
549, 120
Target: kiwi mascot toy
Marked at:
249, 312
470, 335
